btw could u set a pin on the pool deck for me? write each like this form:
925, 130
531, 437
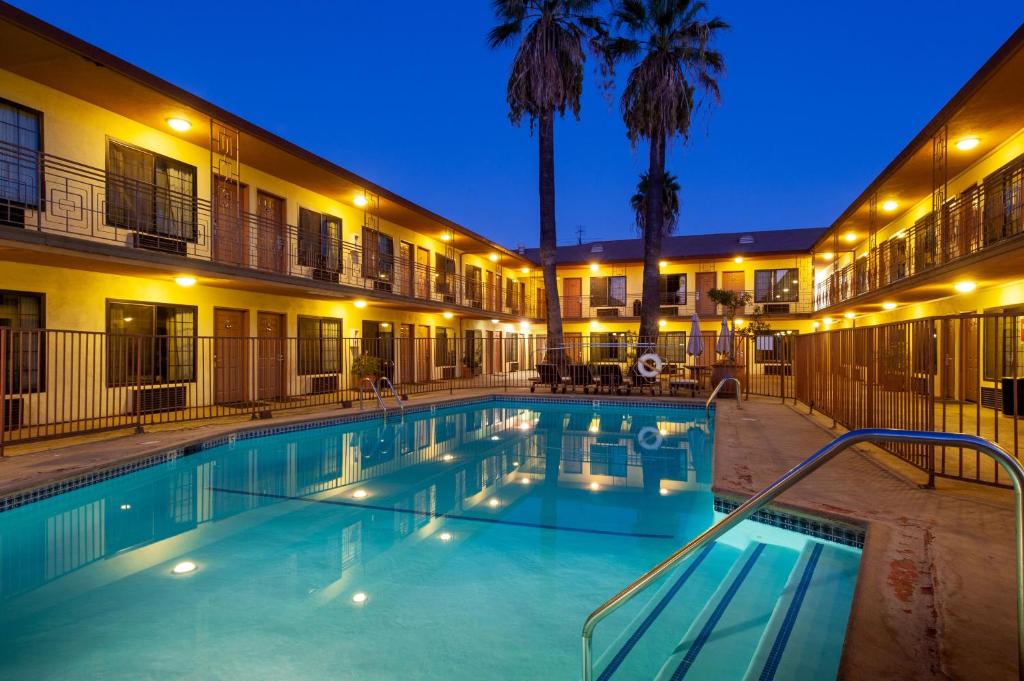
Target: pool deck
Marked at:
935, 594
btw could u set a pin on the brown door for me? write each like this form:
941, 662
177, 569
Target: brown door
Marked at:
572, 307
705, 282
732, 281
423, 354
229, 355
422, 273
230, 239
573, 346
270, 355
541, 309
405, 272
496, 354
491, 302
948, 358
270, 242
971, 375
406, 356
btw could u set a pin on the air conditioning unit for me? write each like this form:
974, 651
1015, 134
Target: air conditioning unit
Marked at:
605, 312
13, 408
157, 400
776, 308
156, 242
320, 274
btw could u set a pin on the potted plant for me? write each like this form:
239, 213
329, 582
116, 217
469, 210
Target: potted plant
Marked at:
726, 366
470, 365
365, 366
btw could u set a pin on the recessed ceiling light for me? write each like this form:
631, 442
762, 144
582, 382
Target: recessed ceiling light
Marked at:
662, 323
447, 315
185, 281
850, 237
663, 264
494, 321
446, 237
359, 597
493, 257
965, 286
360, 200
828, 255
525, 270
179, 124
890, 205
827, 320
593, 267
888, 306
967, 143
184, 567
849, 315
360, 304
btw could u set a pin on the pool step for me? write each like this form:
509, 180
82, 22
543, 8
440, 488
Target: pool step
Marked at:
653, 632
723, 638
804, 638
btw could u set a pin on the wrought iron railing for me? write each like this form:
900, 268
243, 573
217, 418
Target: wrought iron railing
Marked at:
681, 305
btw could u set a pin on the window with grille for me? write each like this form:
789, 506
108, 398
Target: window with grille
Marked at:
320, 241
319, 346
150, 193
150, 343
777, 286
20, 144
672, 289
21, 316
607, 291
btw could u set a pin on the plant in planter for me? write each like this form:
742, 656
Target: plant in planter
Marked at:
731, 302
365, 366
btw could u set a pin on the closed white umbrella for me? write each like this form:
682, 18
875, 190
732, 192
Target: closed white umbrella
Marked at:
724, 344
695, 346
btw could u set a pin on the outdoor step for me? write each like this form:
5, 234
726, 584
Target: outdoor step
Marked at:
722, 639
638, 651
804, 638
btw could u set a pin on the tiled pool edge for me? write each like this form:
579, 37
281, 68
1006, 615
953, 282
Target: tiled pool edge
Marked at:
837, 532
19, 498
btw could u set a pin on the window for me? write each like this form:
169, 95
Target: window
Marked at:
1004, 201
474, 288
319, 346
444, 350
514, 293
378, 257
607, 291
150, 193
445, 267
1002, 338
777, 286
512, 347
150, 343
607, 347
672, 289
20, 144
22, 314
319, 241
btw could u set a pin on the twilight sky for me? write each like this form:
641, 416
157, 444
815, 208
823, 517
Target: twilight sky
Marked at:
818, 98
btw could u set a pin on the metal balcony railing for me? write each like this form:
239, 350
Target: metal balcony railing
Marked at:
51, 194
628, 306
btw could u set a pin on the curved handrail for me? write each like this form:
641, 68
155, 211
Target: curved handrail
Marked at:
394, 392
714, 394
373, 387
799, 472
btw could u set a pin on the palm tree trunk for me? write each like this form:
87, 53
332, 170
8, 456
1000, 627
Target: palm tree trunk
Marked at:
655, 230
548, 241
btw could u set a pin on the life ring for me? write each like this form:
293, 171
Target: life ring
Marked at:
642, 364
645, 435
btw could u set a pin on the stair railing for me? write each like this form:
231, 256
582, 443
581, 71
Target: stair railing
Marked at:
401, 405
373, 387
799, 472
714, 394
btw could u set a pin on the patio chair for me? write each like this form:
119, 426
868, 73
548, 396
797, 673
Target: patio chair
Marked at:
609, 378
581, 376
548, 374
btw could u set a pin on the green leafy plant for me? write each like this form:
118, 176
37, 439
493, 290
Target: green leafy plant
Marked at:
366, 366
731, 302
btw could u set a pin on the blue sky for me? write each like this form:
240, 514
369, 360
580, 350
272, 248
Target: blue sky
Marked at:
818, 98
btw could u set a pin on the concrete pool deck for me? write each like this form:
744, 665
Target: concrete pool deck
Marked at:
936, 590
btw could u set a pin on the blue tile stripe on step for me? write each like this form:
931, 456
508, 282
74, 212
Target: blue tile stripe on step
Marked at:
635, 637
709, 626
771, 665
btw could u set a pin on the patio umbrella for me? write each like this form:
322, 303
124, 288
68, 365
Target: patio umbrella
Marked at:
695, 346
724, 344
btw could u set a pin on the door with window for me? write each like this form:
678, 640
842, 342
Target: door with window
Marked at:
705, 282
971, 359
573, 303
229, 355
422, 273
271, 249
406, 364
405, 270
230, 231
378, 341
270, 355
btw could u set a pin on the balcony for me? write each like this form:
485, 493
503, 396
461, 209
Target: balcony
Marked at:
680, 305
983, 219
51, 195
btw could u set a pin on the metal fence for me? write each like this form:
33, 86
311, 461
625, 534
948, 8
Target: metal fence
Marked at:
57, 383
957, 374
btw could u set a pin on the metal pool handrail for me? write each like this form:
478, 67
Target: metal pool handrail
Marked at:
714, 393
393, 392
373, 387
799, 472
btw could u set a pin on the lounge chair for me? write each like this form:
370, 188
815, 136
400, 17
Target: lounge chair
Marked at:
548, 374
581, 375
609, 378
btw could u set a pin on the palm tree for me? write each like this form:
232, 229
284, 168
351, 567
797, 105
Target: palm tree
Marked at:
671, 40
669, 203
547, 78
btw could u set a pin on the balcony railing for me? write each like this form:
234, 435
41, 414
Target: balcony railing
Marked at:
980, 218
56, 195
680, 305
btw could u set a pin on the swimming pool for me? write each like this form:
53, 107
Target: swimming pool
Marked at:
466, 542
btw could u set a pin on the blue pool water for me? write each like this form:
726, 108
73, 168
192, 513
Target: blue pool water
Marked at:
466, 544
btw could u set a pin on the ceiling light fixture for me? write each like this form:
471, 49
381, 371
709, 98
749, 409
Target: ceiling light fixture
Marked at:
185, 281
738, 259
965, 286
179, 124
967, 143
525, 270
446, 237
888, 306
890, 205
360, 304
447, 315
360, 200
850, 237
